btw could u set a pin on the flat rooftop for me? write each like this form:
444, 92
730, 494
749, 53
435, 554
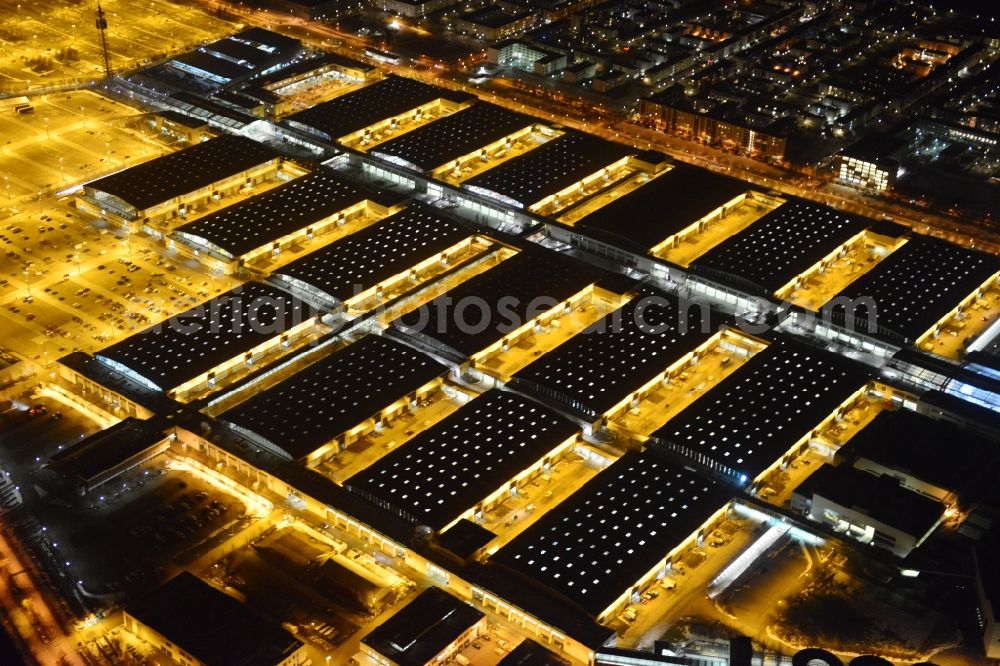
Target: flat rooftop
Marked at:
530, 653
213, 64
753, 416
484, 308
266, 39
237, 51
550, 168
595, 544
196, 340
164, 178
782, 244
442, 141
664, 206
597, 368
255, 222
914, 287
366, 106
104, 450
360, 261
447, 469
423, 628
309, 409
934, 451
211, 626
878, 497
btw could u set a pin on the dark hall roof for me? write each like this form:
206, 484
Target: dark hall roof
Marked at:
288, 208
105, 449
530, 653
438, 143
880, 498
484, 308
914, 287
196, 340
664, 206
334, 394
935, 451
360, 108
187, 170
782, 244
555, 165
210, 625
597, 368
373, 254
448, 468
423, 628
596, 543
753, 416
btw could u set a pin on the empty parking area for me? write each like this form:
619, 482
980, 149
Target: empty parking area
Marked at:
52, 41
68, 138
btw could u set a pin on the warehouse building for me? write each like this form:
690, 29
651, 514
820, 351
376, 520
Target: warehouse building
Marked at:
530, 653
640, 221
109, 453
256, 231
337, 400
625, 351
779, 246
196, 349
161, 190
272, 91
235, 59
487, 313
191, 622
474, 459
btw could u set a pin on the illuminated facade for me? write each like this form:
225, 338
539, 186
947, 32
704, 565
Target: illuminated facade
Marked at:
867, 174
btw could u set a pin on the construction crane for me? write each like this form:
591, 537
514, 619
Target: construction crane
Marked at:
102, 25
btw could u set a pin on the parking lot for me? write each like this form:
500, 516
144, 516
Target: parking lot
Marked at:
68, 285
129, 534
70, 137
52, 41
29, 435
